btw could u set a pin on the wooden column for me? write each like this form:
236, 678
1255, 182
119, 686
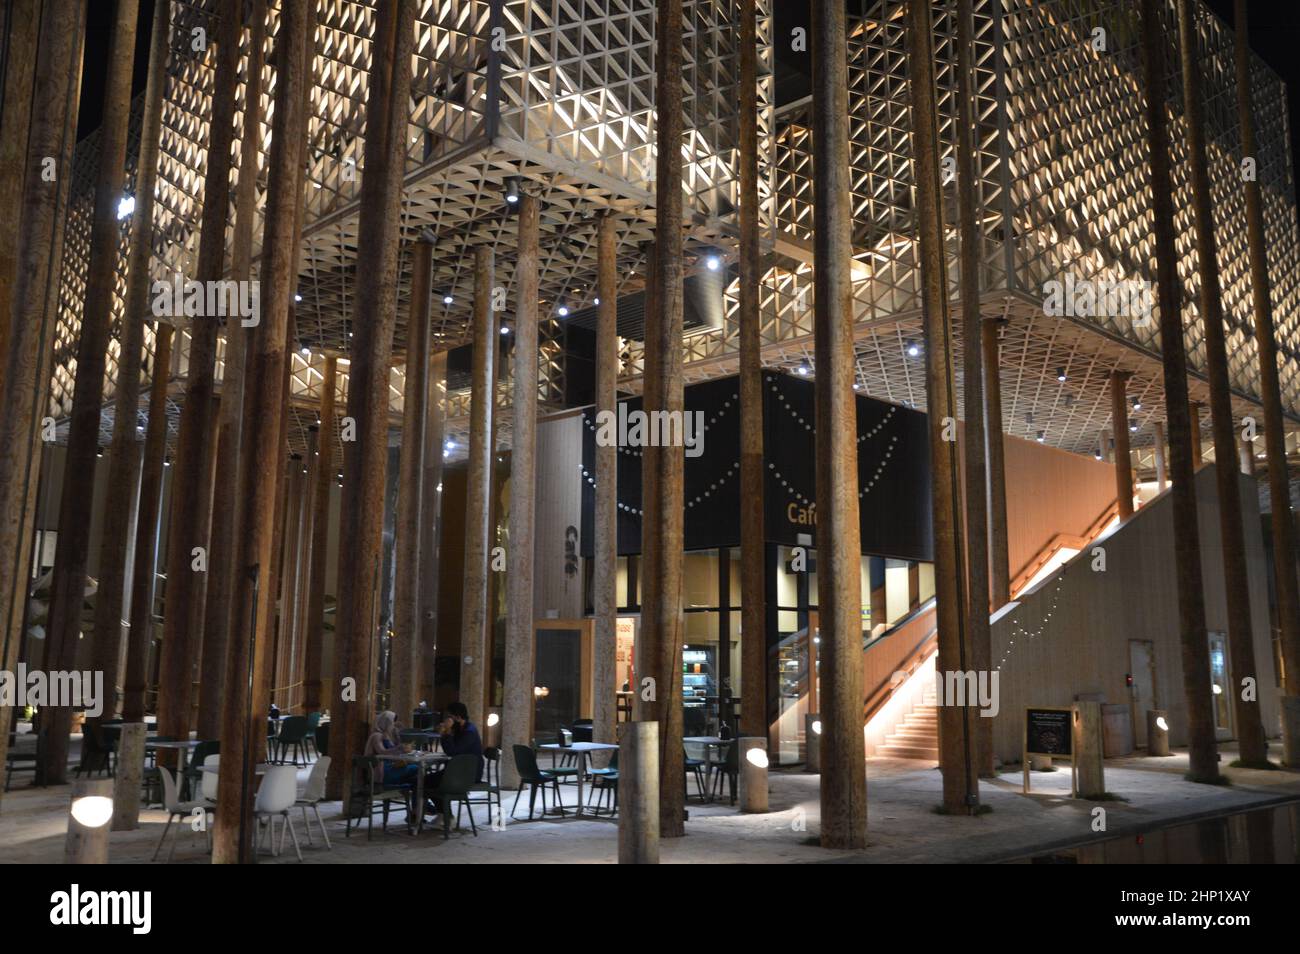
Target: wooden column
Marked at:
314, 624
956, 739
225, 500
1198, 451
191, 501
290, 552
1284, 558
431, 511
243, 726
976, 477
1203, 751
33, 311
72, 554
753, 560
135, 682
1162, 479
999, 553
474, 667
604, 579
365, 461
638, 817
662, 493
124, 457
517, 711
1247, 452
410, 492
1123, 458
1241, 635
839, 596
15, 124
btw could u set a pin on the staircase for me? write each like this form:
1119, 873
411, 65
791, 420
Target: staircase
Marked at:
917, 735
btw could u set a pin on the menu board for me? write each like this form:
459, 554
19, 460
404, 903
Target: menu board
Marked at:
1047, 732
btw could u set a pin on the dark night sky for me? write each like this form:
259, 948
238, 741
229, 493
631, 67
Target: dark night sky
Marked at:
1274, 35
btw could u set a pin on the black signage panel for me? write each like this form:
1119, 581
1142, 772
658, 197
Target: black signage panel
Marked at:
1048, 732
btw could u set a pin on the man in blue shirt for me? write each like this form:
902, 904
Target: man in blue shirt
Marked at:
460, 736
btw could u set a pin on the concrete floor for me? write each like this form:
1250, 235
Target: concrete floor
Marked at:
903, 827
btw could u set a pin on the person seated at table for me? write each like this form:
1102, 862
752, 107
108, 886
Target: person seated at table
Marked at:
384, 740
460, 736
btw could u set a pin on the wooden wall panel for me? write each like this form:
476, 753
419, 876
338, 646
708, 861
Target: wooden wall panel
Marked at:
557, 592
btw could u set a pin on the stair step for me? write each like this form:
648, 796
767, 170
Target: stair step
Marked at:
909, 752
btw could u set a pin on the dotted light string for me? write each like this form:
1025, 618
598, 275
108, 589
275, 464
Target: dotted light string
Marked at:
590, 422
808, 425
713, 487
1037, 631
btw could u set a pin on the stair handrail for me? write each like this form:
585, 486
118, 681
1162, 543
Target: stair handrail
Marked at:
1059, 542
915, 657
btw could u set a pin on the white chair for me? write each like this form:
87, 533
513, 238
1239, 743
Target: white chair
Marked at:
312, 796
210, 779
176, 809
275, 796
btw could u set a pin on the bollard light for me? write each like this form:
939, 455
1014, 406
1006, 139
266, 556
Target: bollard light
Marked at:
92, 811
753, 775
756, 758
1157, 732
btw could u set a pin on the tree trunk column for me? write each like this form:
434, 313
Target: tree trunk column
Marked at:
517, 712
1284, 561
977, 530
999, 554
474, 668
1203, 750
1241, 646
1123, 459
956, 737
191, 501
431, 541
124, 458
605, 550
663, 467
1198, 451
839, 596
73, 550
410, 497
243, 726
314, 625
1162, 477
753, 611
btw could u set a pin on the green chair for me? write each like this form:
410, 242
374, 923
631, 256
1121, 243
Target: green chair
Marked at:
455, 785
293, 733
728, 768
194, 771
604, 782
536, 779
695, 767
309, 740
490, 788
368, 791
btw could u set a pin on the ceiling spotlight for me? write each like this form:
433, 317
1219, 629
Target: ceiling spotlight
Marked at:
913, 349
712, 263
803, 369
563, 311
1137, 405
305, 352
1042, 436
512, 190
856, 386
505, 330
1133, 428
447, 299
126, 206
1097, 454
1060, 374
596, 302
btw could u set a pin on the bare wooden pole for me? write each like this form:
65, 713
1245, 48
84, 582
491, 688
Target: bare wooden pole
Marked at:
604, 578
517, 711
1162, 481
1284, 559
365, 461
1198, 451
410, 492
976, 475
999, 554
1252, 748
956, 736
192, 476
314, 630
33, 304
225, 499
753, 611
839, 597
73, 550
1123, 457
431, 511
474, 667
1203, 750
244, 710
124, 459
143, 574
15, 124
290, 555
663, 496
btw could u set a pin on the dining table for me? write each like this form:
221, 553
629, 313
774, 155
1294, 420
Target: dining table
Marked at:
425, 760
583, 751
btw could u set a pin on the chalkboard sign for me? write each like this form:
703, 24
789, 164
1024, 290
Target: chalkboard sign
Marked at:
1048, 732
